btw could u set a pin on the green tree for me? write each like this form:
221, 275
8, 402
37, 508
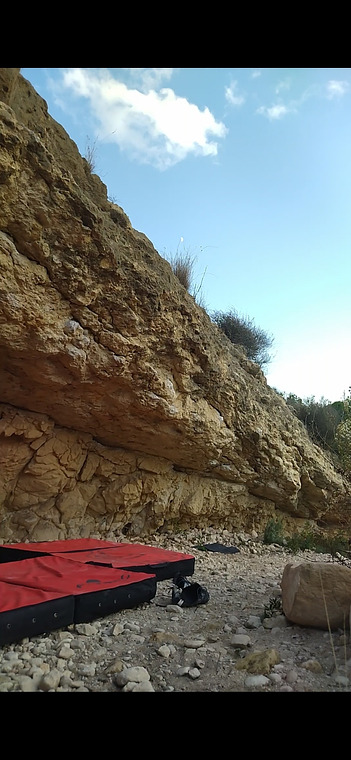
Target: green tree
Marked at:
242, 331
343, 433
328, 424
320, 418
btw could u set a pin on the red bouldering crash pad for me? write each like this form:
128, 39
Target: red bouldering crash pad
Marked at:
51, 584
139, 557
97, 590
135, 557
13, 552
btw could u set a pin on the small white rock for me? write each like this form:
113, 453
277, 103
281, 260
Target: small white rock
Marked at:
164, 651
251, 681
194, 673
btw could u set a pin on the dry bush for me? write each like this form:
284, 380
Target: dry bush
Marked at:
242, 331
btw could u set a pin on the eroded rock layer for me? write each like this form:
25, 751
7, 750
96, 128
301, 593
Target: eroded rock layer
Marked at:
123, 407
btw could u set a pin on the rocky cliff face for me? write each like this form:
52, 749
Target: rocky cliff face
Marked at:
123, 407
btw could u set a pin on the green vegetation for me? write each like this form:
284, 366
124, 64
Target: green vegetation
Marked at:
242, 331
273, 533
321, 418
343, 443
328, 425
308, 538
274, 605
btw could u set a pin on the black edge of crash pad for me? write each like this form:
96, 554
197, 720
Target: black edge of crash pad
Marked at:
11, 554
43, 612
163, 572
98, 604
166, 570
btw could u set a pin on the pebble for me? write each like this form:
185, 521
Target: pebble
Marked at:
251, 681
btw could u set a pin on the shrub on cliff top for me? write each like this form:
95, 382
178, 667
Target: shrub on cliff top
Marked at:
242, 331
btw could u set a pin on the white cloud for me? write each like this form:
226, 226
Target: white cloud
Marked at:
293, 105
274, 112
231, 95
256, 74
284, 85
337, 88
147, 79
154, 126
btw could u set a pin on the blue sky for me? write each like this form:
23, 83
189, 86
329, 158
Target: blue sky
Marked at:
247, 170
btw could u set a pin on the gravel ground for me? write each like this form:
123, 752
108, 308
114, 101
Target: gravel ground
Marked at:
239, 641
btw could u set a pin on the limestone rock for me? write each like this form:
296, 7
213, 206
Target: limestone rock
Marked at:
122, 406
317, 594
259, 662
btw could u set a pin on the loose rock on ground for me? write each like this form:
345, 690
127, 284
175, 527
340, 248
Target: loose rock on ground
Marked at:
239, 641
